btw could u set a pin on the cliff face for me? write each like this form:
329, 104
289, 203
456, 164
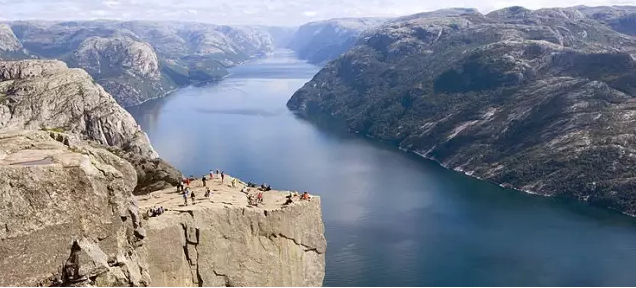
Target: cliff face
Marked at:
124, 67
539, 100
45, 94
10, 46
66, 214
222, 241
68, 217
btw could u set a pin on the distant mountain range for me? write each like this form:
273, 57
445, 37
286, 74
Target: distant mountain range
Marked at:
136, 61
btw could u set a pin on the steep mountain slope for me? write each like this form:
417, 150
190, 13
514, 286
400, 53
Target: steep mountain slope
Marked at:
542, 101
46, 95
10, 46
123, 66
322, 41
136, 61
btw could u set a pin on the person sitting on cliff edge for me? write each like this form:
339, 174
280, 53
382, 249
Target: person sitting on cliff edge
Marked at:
305, 196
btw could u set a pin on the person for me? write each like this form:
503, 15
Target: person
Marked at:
180, 186
207, 192
211, 174
222, 176
305, 196
187, 182
217, 171
259, 197
233, 182
192, 196
204, 180
289, 200
185, 196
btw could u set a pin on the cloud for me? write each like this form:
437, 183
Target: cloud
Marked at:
267, 12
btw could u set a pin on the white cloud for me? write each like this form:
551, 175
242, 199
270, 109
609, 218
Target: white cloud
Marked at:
270, 12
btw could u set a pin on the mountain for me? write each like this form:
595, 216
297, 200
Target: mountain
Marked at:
541, 101
322, 41
621, 18
47, 95
10, 46
136, 60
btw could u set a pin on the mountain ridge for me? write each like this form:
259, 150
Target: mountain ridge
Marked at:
537, 100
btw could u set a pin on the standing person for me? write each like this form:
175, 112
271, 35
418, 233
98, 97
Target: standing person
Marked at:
204, 180
217, 171
185, 196
211, 174
222, 176
233, 182
187, 181
192, 196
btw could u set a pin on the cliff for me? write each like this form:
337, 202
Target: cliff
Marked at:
223, 241
46, 95
68, 217
66, 214
540, 101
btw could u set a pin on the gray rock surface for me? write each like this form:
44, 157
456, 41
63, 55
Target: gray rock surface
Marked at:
45, 94
68, 218
8, 40
66, 213
540, 101
222, 241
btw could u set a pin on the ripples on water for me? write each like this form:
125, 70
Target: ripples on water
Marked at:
391, 219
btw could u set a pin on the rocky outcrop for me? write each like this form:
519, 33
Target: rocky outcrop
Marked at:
45, 94
68, 218
222, 241
322, 41
542, 101
66, 214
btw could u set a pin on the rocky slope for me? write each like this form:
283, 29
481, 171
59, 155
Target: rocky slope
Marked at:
322, 41
10, 46
136, 61
66, 214
123, 66
541, 101
68, 218
47, 95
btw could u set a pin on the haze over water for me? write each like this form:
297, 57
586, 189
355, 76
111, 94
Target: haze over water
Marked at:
391, 218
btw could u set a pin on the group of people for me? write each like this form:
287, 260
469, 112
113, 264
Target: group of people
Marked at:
254, 200
292, 195
154, 212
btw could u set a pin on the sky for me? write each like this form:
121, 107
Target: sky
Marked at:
261, 12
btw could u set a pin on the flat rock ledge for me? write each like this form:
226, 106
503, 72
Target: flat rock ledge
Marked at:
223, 241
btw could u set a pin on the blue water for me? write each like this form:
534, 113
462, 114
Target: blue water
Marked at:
391, 219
